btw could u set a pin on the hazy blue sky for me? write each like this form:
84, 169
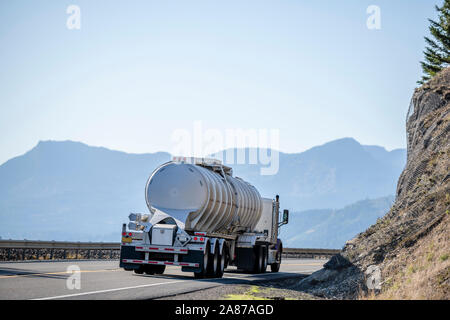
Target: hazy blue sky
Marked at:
138, 70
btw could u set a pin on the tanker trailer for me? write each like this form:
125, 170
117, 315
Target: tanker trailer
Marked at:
202, 219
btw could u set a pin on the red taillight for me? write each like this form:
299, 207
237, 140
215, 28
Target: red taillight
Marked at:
124, 233
195, 238
201, 239
130, 234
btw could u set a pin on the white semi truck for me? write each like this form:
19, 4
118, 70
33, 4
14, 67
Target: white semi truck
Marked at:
202, 219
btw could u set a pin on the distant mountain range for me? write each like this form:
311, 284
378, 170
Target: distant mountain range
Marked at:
332, 175
70, 191
328, 228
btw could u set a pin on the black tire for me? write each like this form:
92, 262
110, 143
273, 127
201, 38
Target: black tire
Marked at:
139, 270
159, 269
259, 256
204, 265
149, 270
275, 267
221, 264
265, 257
226, 254
213, 262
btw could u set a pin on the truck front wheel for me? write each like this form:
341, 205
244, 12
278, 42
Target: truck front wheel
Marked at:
275, 267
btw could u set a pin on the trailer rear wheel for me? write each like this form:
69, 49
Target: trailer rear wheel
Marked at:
221, 264
226, 255
213, 262
159, 269
149, 270
139, 270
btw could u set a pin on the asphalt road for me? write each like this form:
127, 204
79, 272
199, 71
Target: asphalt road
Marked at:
105, 280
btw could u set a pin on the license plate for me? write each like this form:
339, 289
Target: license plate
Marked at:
126, 239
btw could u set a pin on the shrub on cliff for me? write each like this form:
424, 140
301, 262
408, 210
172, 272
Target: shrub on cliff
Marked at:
437, 52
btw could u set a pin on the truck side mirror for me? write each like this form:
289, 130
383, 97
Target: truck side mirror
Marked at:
285, 216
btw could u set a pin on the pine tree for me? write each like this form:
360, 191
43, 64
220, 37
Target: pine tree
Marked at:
437, 52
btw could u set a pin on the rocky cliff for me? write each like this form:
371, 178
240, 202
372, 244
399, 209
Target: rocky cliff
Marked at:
405, 255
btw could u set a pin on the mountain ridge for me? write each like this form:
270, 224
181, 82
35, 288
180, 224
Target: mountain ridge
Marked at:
93, 189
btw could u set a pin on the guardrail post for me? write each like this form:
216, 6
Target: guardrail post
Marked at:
89, 254
8, 253
23, 254
51, 254
64, 253
110, 254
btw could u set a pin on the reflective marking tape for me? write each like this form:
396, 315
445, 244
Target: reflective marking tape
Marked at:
169, 263
174, 249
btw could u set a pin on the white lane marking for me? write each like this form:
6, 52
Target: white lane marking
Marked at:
264, 274
160, 283
107, 290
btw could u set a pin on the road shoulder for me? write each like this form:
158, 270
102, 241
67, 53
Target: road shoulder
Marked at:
282, 289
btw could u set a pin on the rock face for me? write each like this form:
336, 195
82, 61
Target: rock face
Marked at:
406, 253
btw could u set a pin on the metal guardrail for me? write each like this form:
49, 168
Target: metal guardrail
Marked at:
308, 253
57, 250
31, 244
15, 250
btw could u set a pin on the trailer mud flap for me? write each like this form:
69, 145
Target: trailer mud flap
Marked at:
245, 258
129, 252
192, 256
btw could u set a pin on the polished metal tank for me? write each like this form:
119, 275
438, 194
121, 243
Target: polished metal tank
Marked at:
204, 196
